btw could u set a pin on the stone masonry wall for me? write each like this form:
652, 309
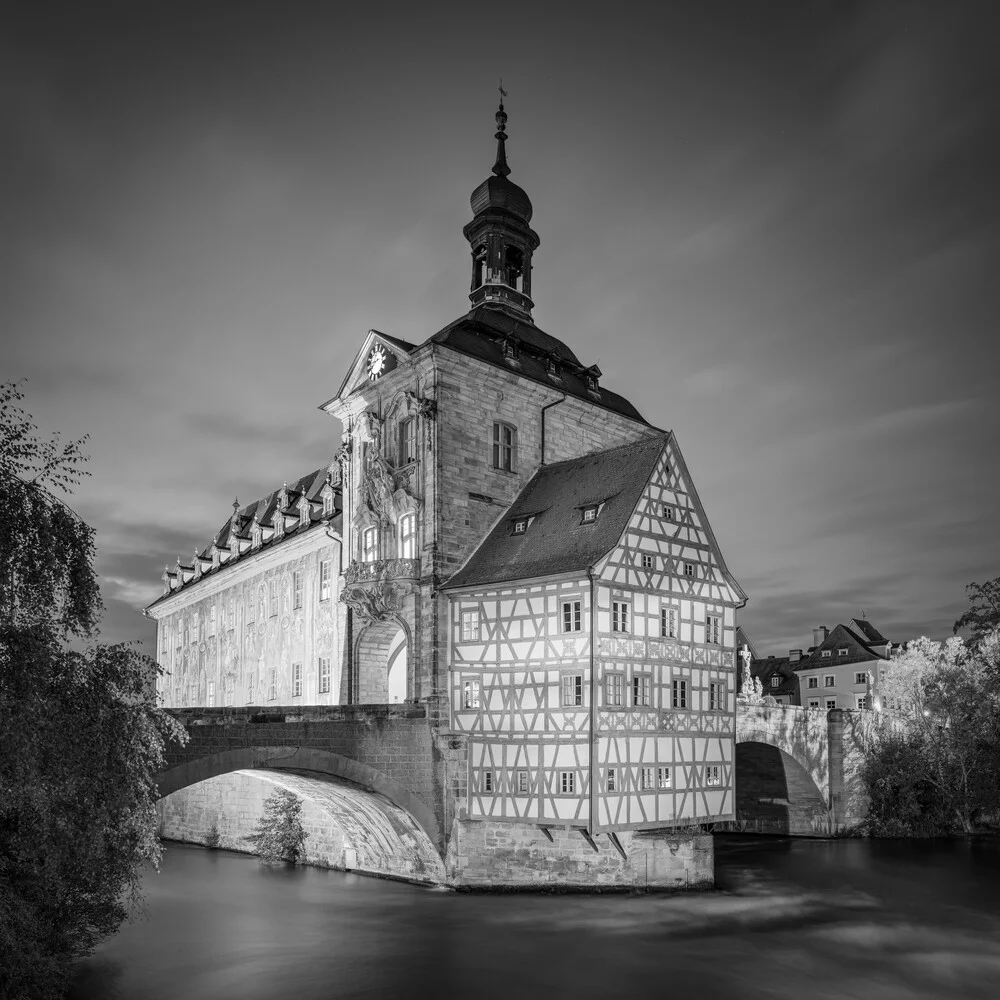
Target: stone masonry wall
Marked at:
484, 854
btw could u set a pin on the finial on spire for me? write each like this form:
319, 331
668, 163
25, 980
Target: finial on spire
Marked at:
236, 506
500, 168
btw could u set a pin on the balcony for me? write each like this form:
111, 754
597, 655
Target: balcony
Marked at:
382, 570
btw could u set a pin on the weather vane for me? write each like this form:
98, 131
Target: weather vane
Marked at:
503, 93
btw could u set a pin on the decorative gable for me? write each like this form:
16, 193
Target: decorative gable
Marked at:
379, 355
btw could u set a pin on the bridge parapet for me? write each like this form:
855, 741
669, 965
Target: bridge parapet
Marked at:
243, 715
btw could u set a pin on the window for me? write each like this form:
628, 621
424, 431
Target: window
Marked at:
571, 618
272, 687
369, 545
296, 680
831, 702
814, 702
680, 694
567, 782
713, 629
572, 690
520, 525
641, 689
716, 696
522, 782
829, 681
324, 580
668, 623
663, 777
861, 701
826, 652
619, 616
408, 441
407, 535
842, 652
504, 443
487, 781
666, 512
645, 778
297, 589
813, 682
647, 561
324, 675
470, 694
861, 677
688, 569
470, 626
775, 682
614, 689
590, 513
211, 693
713, 774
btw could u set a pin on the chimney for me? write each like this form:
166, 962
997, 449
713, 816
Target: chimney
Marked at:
794, 655
819, 635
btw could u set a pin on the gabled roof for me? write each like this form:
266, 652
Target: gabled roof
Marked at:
867, 631
859, 649
399, 347
775, 666
557, 540
482, 332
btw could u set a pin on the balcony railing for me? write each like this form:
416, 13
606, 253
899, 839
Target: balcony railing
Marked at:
383, 569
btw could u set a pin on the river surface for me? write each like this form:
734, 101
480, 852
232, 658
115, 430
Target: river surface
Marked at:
879, 920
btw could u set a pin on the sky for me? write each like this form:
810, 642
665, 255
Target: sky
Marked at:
774, 226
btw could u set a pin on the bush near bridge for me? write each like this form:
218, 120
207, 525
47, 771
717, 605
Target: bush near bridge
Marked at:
80, 736
279, 836
939, 773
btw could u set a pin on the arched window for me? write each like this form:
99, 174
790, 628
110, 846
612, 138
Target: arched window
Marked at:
407, 536
513, 266
369, 545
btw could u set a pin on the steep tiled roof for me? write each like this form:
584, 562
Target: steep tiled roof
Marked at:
859, 650
867, 631
776, 666
557, 541
482, 332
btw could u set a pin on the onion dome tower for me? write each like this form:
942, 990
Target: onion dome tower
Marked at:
501, 239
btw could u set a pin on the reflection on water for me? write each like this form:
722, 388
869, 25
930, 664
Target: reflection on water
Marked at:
832, 919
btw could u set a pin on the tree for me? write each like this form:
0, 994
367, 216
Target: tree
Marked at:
279, 836
81, 739
983, 618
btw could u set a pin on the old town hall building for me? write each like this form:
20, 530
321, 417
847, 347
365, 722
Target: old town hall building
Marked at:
502, 539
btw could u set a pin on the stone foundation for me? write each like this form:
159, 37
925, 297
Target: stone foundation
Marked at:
483, 854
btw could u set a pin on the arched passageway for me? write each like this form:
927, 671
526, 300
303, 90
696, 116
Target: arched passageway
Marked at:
775, 793
381, 663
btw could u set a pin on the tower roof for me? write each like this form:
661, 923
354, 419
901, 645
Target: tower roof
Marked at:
497, 191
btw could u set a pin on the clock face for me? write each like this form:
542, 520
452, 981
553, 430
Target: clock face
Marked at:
377, 362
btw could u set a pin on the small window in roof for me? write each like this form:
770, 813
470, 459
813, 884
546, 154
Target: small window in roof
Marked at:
590, 513
520, 525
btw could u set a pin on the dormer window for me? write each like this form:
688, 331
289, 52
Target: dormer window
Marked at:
826, 652
520, 525
590, 513
552, 367
591, 383
510, 349
303, 512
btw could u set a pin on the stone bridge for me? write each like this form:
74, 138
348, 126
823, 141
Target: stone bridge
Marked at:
797, 769
370, 778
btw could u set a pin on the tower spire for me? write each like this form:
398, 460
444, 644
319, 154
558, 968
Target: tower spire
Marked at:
500, 168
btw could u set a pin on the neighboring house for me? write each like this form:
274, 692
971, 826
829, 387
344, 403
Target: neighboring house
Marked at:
778, 679
835, 672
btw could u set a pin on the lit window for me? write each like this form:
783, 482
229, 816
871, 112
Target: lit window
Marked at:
619, 616
713, 774
668, 623
831, 702
296, 680
842, 652
680, 694
324, 580
567, 782
408, 441
813, 682
407, 535
716, 696
470, 694
645, 778
641, 689
273, 597
713, 629
369, 545
688, 569
571, 616
614, 689
663, 777
612, 780
572, 690
775, 682
504, 444
667, 512
647, 561
324, 675
861, 701
590, 513
520, 525
522, 782
487, 781
470, 626
826, 652
829, 681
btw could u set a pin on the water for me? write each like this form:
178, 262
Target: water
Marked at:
887, 920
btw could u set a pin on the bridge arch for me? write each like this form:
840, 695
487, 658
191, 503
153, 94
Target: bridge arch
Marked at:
776, 794
382, 654
378, 816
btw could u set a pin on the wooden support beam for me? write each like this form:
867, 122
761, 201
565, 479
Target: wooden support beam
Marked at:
548, 833
590, 840
616, 844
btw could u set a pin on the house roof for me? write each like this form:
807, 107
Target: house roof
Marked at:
775, 666
482, 332
557, 540
859, 649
